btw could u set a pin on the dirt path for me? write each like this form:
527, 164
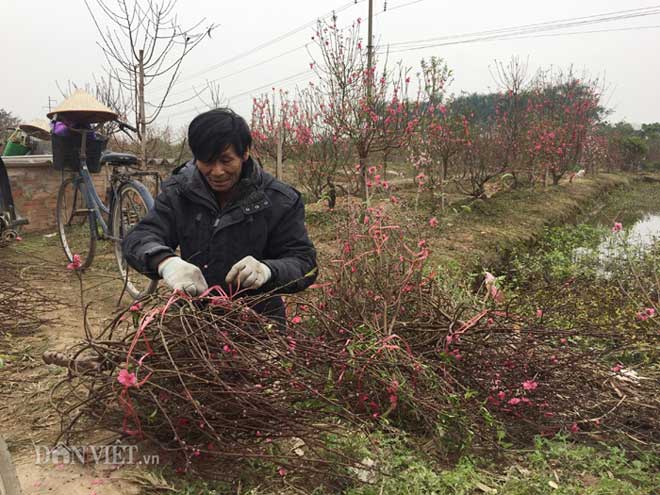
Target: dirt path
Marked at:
27, 419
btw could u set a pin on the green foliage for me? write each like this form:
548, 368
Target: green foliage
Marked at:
634, 149
405, 470
555, 259
561, 467
651, 131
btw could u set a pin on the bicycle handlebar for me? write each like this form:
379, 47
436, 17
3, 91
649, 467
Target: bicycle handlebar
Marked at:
124, 125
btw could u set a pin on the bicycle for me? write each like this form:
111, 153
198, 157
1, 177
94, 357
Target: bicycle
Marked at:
80, 210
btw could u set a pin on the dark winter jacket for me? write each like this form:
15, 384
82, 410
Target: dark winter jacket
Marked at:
266, 221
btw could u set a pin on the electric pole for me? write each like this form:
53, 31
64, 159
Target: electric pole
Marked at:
370, 81
370, 49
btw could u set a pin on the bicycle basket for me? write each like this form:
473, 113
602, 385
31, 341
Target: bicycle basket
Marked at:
66, 152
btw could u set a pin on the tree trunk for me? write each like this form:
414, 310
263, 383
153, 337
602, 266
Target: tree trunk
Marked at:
364, 190
332, 195
142, 124
555, 179
278, 165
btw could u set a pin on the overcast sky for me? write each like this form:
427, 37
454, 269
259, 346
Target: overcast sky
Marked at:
46, 41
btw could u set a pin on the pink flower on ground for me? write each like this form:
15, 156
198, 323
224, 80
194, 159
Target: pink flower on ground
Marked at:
136, 307
515, 401
19, 238
617, 367
456, 354
433, 222
491, 289
501, 395
539, 313
650, 312
126, 378
575, 428
617, 227
75, 264
296, 319
530, 385
226, 348
282, 472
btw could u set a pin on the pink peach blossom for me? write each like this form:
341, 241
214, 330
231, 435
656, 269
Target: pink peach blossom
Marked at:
126, 378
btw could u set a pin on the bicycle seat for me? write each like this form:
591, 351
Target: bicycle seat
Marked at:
119, 159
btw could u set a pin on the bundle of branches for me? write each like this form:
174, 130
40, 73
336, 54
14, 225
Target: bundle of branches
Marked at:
206, 378
23, 307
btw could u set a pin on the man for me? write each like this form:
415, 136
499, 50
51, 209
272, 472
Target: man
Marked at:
235, 224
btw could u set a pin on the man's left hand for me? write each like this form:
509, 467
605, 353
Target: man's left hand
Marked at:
249, 273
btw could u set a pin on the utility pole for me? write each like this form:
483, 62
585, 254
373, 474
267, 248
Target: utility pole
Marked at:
370, 49
142, 120
370, 81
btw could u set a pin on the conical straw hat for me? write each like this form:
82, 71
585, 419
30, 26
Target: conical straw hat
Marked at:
83, 108
38, 128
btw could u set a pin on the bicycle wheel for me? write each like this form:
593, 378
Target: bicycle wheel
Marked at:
130, 205
76, 223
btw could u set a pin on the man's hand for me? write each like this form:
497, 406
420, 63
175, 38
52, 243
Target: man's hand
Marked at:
181, 275
249, 273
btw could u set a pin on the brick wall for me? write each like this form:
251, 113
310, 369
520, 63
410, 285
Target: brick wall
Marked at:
34, 186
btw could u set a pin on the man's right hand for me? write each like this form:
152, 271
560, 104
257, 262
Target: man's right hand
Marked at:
181, 275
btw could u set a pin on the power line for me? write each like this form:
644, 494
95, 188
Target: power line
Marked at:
553, 35
523, 29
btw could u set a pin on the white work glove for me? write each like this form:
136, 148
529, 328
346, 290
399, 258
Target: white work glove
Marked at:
249, 273
181, 275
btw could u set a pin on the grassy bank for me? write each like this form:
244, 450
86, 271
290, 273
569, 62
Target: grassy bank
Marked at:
486, 231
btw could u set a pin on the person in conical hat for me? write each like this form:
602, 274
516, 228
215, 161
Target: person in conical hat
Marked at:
38, 128
81, 108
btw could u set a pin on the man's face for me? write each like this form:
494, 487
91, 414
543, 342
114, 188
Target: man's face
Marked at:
223, 173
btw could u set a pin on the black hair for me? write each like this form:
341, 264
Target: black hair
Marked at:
212, 132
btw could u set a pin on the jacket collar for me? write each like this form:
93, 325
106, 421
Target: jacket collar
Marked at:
250, 194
